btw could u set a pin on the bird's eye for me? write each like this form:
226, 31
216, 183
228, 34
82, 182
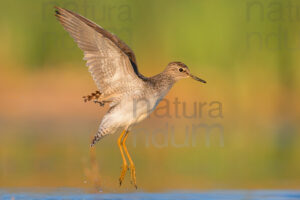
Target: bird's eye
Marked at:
180, 69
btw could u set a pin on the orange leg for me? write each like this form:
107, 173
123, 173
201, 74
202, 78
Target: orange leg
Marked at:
124, 166
131, 164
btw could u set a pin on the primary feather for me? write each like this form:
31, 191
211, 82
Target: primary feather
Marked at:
110, 61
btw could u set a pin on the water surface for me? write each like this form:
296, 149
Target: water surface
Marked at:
174, 195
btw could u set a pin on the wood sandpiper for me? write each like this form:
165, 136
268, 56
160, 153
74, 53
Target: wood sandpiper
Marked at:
112, 64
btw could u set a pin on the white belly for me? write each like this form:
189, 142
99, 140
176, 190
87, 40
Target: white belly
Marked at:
129, 112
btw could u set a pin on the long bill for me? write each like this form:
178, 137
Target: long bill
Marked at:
197, 78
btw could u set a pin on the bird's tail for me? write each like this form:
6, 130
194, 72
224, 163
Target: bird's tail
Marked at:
93, 96
100, 134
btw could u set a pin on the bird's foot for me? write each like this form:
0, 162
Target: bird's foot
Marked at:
101, 103
123, 172
133, 177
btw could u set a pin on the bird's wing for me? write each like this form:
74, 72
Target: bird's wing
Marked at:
111, 62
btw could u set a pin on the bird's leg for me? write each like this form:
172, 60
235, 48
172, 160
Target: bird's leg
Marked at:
124, 166
131, 164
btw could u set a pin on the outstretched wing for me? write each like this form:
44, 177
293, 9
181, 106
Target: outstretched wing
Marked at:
111, 62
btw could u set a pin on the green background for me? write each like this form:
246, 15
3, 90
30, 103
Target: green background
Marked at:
248, 51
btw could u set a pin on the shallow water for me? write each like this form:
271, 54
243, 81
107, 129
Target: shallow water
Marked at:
205, 195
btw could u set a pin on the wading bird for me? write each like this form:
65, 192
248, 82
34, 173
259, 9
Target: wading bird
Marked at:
112, 64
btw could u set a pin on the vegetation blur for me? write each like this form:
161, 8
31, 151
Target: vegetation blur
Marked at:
239, 131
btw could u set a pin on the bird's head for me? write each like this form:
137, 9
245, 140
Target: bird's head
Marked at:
179, 70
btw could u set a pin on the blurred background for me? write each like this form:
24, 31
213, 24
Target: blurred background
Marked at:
239, 131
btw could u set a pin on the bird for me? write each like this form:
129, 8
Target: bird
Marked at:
130, 95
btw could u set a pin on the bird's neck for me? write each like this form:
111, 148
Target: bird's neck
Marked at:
162, 82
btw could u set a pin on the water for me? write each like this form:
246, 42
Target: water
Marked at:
182, 195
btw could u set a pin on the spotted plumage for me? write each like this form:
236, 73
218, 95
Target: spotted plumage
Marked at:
112, 64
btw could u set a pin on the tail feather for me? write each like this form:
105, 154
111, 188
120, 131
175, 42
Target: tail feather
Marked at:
100, 134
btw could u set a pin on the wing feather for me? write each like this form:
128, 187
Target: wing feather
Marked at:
111, 62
